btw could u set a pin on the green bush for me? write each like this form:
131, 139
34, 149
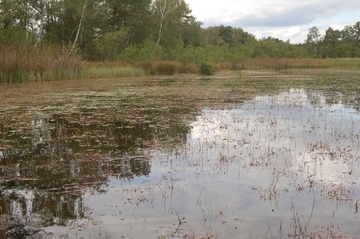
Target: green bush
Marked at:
207, 69
111, 44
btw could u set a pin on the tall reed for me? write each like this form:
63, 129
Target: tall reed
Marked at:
21, 63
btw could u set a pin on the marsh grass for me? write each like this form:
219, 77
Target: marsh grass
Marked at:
111, 71
22, 64
282, 64
276, 64
344, 63
19, 64
165, 67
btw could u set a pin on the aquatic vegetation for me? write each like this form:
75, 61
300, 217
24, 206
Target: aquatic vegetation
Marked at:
267, 154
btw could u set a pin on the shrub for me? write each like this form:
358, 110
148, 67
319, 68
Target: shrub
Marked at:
207, 69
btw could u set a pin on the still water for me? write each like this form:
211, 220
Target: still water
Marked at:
283, 165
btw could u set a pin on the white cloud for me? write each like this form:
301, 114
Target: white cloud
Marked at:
283, 19
337, 26
289, 33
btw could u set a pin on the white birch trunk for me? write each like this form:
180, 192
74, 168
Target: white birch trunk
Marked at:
79, 29
165, 9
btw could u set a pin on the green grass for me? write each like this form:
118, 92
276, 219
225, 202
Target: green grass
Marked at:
342, 63
112, 71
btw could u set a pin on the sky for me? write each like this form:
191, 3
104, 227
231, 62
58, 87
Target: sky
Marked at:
282, 19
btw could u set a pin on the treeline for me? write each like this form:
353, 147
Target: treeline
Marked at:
343, 43
52, 36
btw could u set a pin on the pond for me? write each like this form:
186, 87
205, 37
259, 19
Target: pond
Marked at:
275, 165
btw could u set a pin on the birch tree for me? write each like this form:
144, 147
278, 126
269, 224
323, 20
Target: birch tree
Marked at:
169, 16
313, 40
78, 29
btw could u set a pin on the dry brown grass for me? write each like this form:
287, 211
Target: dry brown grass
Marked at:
165, 67
189, 67
223, 66
176, 64
20, 63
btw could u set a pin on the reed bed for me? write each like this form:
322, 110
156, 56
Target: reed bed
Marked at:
19, 64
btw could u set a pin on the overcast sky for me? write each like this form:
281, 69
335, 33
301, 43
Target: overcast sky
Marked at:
283, 19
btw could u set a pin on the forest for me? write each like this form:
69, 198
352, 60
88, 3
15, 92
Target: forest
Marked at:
58, 36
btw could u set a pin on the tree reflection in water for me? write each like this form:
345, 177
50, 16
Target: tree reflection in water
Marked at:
48, 164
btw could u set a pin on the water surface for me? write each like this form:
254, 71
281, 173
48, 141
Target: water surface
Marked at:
277, 165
